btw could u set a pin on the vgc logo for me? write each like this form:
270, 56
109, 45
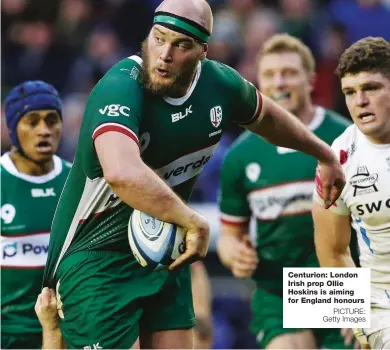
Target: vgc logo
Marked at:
115, 110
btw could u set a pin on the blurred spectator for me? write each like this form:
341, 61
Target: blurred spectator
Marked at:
73, 23
332, 44
225, 42
132, 20
260, 26
5, 140
11, 10
362, 18
73, 109
229, 22
102, 51
297, 20
33, 54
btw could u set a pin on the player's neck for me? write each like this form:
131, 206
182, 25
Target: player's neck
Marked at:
381, 140
183, 91
307, 113
28, 166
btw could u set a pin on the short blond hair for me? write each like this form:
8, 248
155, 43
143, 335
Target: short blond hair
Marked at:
280, 43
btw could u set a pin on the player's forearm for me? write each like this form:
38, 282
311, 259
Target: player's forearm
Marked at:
142, 189
52, 339
335, 258
225, 247
281, 128
201, 290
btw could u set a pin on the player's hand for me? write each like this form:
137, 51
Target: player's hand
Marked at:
197, 243
46, 309
350, 339
332, 181
244, 259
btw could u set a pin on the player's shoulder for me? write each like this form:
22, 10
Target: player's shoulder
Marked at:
66, 166
346, 144
222, 73
2, 169
349, 135
125, 72
6, 165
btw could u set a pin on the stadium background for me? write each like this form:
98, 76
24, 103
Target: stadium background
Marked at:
72, 43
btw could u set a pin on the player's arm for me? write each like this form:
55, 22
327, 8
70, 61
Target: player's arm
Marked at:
201, 294
233, 246
235, 250
332, 229
138, 185
46, 310
279, 127
141, 188
332, 237
112, 119
264, 117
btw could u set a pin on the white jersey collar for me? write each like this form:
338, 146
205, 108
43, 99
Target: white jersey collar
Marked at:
176, 101
318, 118
369, 143
179, 101
9, 166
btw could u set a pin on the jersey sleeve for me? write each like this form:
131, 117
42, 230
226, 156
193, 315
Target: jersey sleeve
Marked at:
246, 99
247, 102
116, 102
233, 203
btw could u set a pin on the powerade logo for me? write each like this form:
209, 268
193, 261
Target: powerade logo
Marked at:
11, 250
25, 251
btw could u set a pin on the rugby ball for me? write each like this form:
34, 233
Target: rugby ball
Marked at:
154, 243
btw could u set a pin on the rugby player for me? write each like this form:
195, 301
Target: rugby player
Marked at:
32, 178
275, 185
364, 153
150, 126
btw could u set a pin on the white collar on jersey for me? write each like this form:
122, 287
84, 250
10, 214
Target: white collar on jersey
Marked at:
179, 101
176, 101
318, 118
364, 139
8, 165
314, 124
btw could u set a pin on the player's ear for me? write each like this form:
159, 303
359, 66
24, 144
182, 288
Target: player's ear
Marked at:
205, 49
312, 81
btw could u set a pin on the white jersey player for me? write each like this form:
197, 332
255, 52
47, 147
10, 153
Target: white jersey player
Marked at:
364, 151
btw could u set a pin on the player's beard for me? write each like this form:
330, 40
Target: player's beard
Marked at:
176, 87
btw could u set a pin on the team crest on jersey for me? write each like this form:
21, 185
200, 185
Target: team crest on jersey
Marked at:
253, 171
216, 116
363, 181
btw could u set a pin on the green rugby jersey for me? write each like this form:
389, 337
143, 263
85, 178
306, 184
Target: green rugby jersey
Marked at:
275, 185
28, 204
176, 136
